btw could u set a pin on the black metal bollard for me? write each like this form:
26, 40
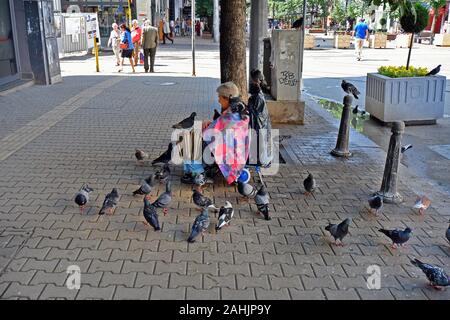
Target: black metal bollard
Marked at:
389, 184
341, 149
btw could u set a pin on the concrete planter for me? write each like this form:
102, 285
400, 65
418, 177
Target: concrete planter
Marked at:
342, 41
378, 40
442, 39
309, 41
417, 100
403, 40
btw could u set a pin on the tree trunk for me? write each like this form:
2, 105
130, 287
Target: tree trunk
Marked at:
433, 25
409, 51
233, 65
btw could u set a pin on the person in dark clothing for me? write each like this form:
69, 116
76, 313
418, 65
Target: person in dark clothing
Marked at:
260, 119
297, 23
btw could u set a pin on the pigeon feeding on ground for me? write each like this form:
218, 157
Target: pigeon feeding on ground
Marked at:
375, 203
435, 71
398, 237
200, 180
262, 202
82, 197
146, 186
201, 224
164, 199
405, 148
185, 123
246, 190
309, 184
110, 203
447, 234
164, 174
350, 88
165, 157
422, 203
150, 215
202, 201
355, 110
339, 231
216, 114
141, 155
226, 213
436, 275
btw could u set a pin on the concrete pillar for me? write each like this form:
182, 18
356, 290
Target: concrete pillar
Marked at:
216, 21
341, 149
258, 31
389, 184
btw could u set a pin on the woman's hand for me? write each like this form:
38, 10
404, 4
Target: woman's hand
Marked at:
205, 124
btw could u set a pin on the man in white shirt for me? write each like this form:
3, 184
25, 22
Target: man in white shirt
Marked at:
166, 31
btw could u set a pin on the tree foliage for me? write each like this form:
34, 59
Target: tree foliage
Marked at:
204, 8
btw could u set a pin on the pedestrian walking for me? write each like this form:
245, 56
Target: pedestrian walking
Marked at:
149, 44
126, 44
114, 41
166, 31
360, 34
183, 27
136, 34
172, 29
177, 27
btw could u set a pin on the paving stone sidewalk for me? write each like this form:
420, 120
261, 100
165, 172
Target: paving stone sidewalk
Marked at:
290, 257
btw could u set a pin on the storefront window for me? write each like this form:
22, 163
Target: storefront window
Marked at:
8, 65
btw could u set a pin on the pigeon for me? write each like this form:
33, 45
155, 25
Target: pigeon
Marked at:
363, 112
164, 174
150, 215
110, 203
201, 224
398, 237
216, 114
339, 231
201, 200
141, 155
447, 234
375, 203
165, 157
164, 199
82, 197
246, 190
422, 203
355, 110
436, 275
309, 184
185, 123
146, 186
226, 213
200, 180
434, 71
350, 88
262, 202
407, 147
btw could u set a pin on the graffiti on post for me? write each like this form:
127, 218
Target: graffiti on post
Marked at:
288, 79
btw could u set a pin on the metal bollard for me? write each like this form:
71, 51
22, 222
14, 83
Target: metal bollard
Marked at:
341, 149
389, 184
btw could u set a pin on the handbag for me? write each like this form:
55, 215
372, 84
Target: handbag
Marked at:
124, 45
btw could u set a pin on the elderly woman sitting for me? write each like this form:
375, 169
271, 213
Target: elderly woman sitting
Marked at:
225, 137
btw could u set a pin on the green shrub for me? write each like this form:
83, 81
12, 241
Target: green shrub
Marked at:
402, 72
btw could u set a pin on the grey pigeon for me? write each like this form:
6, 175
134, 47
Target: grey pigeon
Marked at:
146, 186
165, 157
246, 190
398, 237
350, 88
201, 224
141, 155
226, 213
82, 197
436, 275
201, 200
164, 174
422, 203
355, 110
200, 180
216, 114
309, 184
110, 203
435, 71
150, 215
447, 234
375, 203
164, 199
339, 231
405, 148
186, 123
262, 202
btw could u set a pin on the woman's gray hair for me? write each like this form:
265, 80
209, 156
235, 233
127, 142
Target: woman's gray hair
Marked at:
115, 25
228, 90
134, 22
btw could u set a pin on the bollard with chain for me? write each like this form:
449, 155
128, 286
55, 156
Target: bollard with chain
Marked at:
341, 149
389, 184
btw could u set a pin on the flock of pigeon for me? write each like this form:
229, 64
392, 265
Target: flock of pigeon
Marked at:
435, 274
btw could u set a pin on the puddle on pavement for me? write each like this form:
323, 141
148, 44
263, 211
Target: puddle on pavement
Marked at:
335, 108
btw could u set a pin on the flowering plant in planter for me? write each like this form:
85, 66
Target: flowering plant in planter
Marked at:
402, 72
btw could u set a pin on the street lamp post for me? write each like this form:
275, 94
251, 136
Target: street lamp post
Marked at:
193, 35
302, 46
